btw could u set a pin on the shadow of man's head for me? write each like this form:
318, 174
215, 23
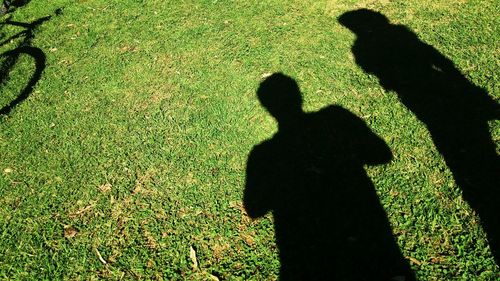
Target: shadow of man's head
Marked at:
363, 21
280, 95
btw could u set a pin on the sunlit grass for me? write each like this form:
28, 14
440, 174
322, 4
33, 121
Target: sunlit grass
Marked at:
133, 145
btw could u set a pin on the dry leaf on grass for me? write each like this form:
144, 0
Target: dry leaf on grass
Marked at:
248, 239
265, 75
415, 261
192, 256
105, 187
437, 259
69, 232
82, 211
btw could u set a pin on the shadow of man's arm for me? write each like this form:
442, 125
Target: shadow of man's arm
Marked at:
364, 145
372, 149
258, 190
474, 96
375, 150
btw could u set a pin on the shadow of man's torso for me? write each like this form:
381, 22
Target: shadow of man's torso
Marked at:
328, 219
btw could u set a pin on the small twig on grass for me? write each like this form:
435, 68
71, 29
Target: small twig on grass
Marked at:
99, 256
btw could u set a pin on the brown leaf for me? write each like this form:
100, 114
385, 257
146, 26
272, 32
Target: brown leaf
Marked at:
437, 259
150, 240
69, 232
248, 239
105, 187
81, 211
219, 250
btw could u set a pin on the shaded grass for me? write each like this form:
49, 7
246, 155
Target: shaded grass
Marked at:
157, 99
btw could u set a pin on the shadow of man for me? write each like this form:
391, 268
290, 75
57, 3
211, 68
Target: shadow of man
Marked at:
328, 220
454, 110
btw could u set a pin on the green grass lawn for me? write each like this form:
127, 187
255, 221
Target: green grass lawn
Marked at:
129, 154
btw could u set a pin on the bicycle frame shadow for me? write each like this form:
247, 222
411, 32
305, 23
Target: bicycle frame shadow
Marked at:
12, 57
9, 6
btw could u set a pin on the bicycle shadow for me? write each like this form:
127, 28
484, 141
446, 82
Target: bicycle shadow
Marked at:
9, 6
328, 220
11, 58
20, 3
454, 110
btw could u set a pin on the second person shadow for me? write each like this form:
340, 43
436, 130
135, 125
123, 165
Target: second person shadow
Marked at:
329, 222
454, 110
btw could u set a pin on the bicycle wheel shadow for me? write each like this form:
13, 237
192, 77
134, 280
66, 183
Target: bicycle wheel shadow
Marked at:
328, 220
11, 57
454, 110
